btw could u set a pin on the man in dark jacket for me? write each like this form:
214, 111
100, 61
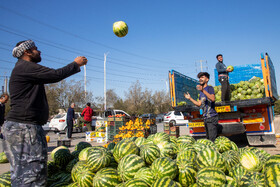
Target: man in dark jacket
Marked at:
70, 120
24, 138
223, 78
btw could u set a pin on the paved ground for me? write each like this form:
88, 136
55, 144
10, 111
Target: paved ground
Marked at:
77, 137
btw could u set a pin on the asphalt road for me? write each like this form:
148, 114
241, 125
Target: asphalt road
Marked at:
78, 137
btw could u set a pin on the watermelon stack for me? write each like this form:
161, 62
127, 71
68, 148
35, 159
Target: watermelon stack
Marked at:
160, 160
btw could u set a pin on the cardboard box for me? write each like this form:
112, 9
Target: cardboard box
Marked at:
100, 140
90, 139
90, 134
100, 134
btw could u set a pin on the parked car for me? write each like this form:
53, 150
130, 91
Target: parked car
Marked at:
175, 117
112, 112
59, 124
148, 116
160, 118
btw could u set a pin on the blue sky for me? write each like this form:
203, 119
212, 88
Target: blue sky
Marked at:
163, 35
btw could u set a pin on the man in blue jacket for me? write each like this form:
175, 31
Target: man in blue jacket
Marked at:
24, 139
223, 78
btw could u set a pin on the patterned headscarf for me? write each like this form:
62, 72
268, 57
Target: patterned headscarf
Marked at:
19, 50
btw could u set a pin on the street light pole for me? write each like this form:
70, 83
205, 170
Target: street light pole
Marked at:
85, 81
105, 58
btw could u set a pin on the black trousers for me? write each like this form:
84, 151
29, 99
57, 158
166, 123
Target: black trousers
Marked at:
225, 88
69, 128
211, 128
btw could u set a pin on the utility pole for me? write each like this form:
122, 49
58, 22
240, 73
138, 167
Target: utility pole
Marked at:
6, 85
105, 58
201, 67
85, 81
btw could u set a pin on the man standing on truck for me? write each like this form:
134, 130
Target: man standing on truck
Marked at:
207, 101
24, 139
223, 78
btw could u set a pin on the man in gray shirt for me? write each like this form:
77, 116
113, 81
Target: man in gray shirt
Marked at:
223, 78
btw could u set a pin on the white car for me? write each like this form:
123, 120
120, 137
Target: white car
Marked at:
175, 117
59, 123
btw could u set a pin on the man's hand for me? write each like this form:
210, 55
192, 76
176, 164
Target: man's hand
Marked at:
199, 87
228, 70
187, 95
81, 60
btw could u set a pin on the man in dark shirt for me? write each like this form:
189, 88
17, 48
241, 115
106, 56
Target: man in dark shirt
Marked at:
207, 101
24, 139
70, 119
223, 78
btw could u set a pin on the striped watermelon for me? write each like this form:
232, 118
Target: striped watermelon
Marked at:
149, 153
75, 154
5, 179
187, 173
106, 177
210, 176
52, 168
129, 166
62, 157
165, 182
136, 182
146, 174
250, 161
185, 139
120, 185
3, 158
160, 137
272, 175
98, 158
253, 179
81, 145
140, 141
123, 148
231, 158
164, 166
223, 144
78, 167
173, 139
133, 139
175, 147
187, 154
113, 163
233, 146
209, 157
205, 142
263, 155
120, 28
85, 177
53, 151
237, 172
83, 155
274, 159
166, 149
71, 164
75, 184
150, 139
182, 146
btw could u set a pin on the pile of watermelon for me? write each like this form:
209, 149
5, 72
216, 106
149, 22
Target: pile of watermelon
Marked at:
162, 160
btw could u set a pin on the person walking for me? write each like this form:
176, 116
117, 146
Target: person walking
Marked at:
223, 78
70, 120
3, 99
207, 101
87, 114
24, 139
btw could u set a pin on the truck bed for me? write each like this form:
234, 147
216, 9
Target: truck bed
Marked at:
232, 104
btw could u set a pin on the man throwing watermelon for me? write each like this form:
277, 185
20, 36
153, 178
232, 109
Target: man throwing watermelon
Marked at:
223, 78
24, 139
207, 101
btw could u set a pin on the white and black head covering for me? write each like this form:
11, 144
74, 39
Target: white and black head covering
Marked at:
19, 50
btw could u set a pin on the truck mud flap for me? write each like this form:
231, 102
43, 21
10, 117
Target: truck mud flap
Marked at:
231, 129
255, 140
